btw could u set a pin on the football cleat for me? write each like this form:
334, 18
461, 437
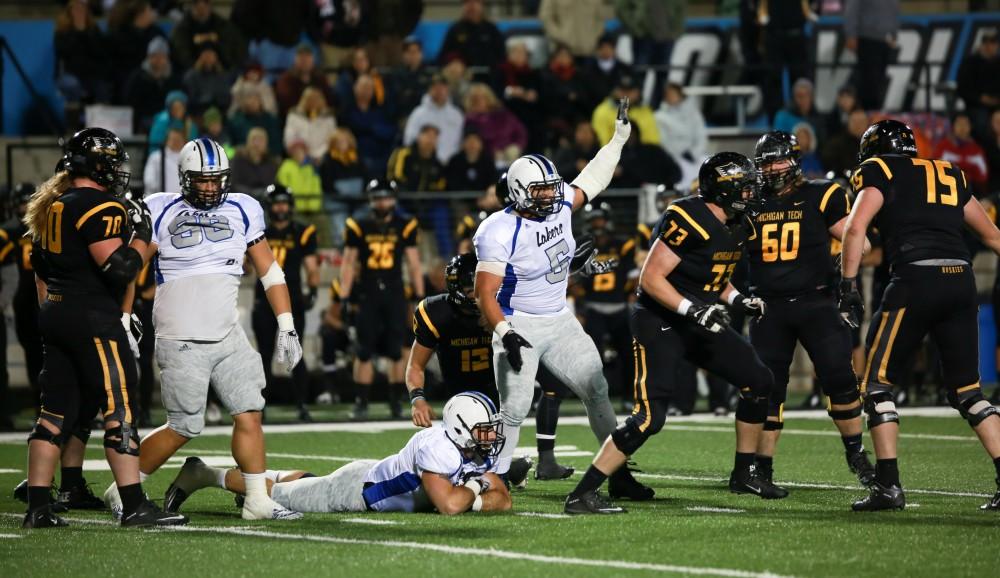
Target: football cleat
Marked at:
21, 495
517, 475
359, 412
591, 503
149, 514
552, 471
304, 415
881, 498
264, 508
993, 504
862, 467
43, 517
183, 485
79, 498
622, 485
748, 482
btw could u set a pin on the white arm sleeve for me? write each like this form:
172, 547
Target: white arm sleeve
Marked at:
597, 175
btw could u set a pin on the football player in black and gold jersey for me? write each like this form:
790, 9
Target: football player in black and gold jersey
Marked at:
25, 296
790, 269
698, 242
921, 208
294, 246
7, 256
376, 241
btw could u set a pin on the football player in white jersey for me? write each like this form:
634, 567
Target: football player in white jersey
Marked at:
200, 238
448, 468
524, 254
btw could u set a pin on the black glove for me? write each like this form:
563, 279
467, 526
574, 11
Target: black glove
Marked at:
713, 318
852, 307
309, 299
512, 343
585, 251
750, 306
139, 218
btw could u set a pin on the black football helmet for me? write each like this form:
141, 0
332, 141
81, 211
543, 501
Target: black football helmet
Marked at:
724, 178
460, 278
777, 146
381, 188
279, 194
99, 155
20, 197
595, 211
502, 192
887, 137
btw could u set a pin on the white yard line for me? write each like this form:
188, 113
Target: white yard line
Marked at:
372, 521
714, 510
10, 471
543, 515
6, 536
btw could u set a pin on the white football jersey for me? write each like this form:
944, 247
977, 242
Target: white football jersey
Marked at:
199, 263
395, 481
537, 255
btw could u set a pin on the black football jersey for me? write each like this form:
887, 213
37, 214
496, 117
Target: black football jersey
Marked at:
466, 228
17, 233
613, 286
7, 247
709, 251
77, 219
644, 235
464, 347
380, 246
789, 247
290, 245
923, 207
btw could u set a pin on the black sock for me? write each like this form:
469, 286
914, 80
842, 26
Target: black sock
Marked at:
852, 444
996, 465
362, 393
132, 497
887, 472
592, 480
546, 419
764, 465
39, 496
71, 478
744, 462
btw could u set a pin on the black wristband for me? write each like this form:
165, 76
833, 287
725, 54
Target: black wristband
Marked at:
416, 394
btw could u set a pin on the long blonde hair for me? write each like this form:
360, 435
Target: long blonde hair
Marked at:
41, 200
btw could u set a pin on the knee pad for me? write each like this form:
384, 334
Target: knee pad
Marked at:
628, 438
846, 396
969, 402
363, 353
751, 411
771, 425
82, 433
40, 432
120, 439
880, 407
842, 414
842, 389
187, 425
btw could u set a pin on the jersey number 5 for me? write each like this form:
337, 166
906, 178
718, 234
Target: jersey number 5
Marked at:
785, 248
558, 270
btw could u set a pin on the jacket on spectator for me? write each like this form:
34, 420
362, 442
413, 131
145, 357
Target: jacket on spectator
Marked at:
280, 22
479, 44
409, 88
605, 114
303, 180
392, 17
145, 94
242, 86
575, 23
339, 167
602, 80
206, 89
314, 131
375, 133
968, 156
240, 124
337, 22
658, 20
84, 53
128, 50
499, 129
415, 173
448, 119
978, 76
252, 177
461, 174
160, 173
188, 34
288, 90
682, 130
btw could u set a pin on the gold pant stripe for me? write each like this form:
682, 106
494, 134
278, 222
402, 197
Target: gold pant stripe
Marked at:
107, 376
967, 388
121, 381
635, 374
888, 348
642, 390
871, 352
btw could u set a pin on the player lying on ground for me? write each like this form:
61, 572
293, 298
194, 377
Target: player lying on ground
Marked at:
448, 469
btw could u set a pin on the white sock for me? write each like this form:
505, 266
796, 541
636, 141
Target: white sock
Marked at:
274, 475
220, 477
142, 477
256, 485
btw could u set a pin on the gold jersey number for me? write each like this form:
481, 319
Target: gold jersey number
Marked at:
722, 274
947, 181
380, 255
477, 359
280, 252
783, 246
52, 239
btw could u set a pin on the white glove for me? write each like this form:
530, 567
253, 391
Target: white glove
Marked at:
478, 485
132, 327
287, 347
594, 267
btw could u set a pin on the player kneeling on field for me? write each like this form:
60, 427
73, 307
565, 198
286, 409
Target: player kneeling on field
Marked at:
449, 469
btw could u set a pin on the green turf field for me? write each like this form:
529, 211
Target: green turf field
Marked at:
695, 526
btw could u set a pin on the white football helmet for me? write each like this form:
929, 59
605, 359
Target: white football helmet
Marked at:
528, 173
469, 420
204, 173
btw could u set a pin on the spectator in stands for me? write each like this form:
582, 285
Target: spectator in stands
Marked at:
575, 24
961, 150
411, 79
175, 111
253, 166
437, 109
504, 135
361, 64
839, 153
458, 77
312, 123
801, 109
570, 158
370, 124
337, 26
682, 132
252, 80
643, 164
749, 35
519, 84
213, 125
979, 81
390, 21
785, 46
836, 119
251, 114
131, 28
200, 25
604, 71
812, 168
991, 147
639, 113
160, 174
565, 95
474, 38
298, 174
83, 56
417, 168
471, 169
273, 29
207, 83
342, 172
654, 27
870, 30
288, 88
148, 86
